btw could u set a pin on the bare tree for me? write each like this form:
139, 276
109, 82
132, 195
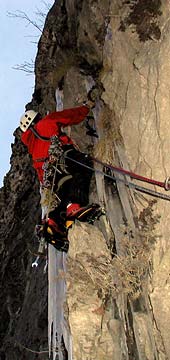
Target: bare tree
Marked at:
28, 67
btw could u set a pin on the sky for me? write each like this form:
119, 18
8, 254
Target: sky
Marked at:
18, 41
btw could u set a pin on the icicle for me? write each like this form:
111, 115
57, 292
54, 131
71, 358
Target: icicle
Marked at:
58, 329
59, 99
56, 298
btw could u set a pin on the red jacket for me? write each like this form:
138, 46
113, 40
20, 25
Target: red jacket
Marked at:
51, 125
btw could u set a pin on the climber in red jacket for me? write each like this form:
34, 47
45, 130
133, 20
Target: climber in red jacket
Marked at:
49, 147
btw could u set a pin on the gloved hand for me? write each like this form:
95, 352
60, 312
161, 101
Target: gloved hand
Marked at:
93, 94
90, 104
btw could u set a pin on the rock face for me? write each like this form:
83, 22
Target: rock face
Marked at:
118, 269
136, 86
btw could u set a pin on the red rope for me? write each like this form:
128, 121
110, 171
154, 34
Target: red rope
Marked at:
133, 175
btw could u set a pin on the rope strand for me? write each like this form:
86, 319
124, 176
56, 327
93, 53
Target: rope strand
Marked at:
127, 183
131, 174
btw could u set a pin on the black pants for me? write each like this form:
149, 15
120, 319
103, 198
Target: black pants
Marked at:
75, 190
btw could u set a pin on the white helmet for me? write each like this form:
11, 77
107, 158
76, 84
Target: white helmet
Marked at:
27, 119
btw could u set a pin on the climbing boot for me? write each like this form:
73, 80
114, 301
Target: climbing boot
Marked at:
69, 224
85, 213
61, 244
56, 236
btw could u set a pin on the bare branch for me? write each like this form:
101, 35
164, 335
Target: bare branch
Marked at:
47, 5
27, 67
39, 13
22, 15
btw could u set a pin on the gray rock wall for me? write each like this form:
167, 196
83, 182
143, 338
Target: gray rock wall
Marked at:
136, 81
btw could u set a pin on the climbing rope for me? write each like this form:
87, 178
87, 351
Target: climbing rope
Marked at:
124, 181
165, 184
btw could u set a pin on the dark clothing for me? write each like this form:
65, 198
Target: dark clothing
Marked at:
75, 190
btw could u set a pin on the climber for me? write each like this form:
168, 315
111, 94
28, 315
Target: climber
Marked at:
49, 147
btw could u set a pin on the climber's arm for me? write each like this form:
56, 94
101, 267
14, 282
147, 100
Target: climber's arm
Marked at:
71, 116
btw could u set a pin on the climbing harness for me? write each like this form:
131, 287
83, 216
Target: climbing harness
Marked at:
124, 181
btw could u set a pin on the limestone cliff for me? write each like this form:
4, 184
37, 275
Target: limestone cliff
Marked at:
117, 304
